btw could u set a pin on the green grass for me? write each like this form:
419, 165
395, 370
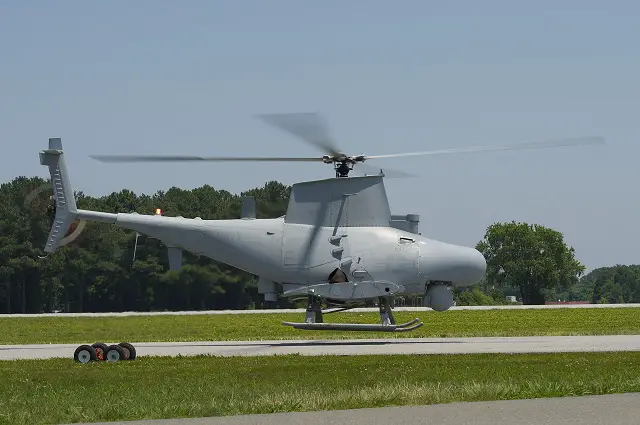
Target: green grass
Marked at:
62, 391
453, 323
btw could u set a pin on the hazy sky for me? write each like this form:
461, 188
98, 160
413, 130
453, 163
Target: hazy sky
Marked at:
188, 77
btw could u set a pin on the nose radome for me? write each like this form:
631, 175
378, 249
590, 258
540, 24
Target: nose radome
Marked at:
463, 266
470, 263
477, 265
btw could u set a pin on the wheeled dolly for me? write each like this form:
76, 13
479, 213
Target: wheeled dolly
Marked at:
100, 351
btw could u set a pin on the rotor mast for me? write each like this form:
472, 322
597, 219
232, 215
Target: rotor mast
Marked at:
342, 164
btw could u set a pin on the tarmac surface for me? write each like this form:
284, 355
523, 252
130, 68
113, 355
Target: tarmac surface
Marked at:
544, 344
618, 409
302, 310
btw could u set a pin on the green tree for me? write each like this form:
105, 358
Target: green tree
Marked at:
475, 296
97, 272
530, 257
614, 285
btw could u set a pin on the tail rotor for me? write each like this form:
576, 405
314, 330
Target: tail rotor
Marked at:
62, 210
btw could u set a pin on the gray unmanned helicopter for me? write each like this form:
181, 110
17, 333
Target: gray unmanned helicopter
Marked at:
337, 244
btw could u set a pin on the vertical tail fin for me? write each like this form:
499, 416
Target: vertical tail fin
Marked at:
66, 210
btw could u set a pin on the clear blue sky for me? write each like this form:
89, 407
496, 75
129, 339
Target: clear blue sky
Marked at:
188, 76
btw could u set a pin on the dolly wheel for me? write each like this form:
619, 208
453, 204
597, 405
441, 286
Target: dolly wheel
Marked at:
85, 354
101, 349
129, 351
114, 353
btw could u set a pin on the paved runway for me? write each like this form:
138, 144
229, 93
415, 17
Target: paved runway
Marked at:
618, 409
302, 310
545, 344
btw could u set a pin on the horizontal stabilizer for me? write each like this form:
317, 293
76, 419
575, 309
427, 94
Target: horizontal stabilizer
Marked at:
175, 258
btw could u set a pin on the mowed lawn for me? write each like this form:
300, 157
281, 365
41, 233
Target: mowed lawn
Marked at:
217, 327
62, 391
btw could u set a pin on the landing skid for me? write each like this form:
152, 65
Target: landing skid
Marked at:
403, 327
314, 320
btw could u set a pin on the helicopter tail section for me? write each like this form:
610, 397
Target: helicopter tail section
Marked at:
64, 206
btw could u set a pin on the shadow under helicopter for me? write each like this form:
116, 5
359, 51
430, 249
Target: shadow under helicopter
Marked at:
307, 343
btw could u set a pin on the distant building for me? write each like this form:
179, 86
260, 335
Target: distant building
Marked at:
566, 302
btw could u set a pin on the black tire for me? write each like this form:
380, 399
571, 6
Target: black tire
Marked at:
101, 349
85, 354
114, 353
129, 351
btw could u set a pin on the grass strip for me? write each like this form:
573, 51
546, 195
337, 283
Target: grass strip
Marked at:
453, 323
62, 391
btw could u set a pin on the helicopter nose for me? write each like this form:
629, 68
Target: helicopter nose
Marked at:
463, 266
475, 265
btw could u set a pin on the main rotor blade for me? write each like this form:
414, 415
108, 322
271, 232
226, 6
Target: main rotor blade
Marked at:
515, 146
179, 158
308, 126
313, 235
366, 169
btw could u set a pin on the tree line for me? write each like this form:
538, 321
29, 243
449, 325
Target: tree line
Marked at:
111, 269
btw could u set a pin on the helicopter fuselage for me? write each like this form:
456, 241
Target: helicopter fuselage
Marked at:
337, 241
274, 250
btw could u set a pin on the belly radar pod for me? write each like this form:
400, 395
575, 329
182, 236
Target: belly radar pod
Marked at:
338, 244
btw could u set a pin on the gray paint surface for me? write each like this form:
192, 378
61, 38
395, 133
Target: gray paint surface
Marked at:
545, 344
619, 409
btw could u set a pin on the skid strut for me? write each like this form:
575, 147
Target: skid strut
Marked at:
314, 320
314, 310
